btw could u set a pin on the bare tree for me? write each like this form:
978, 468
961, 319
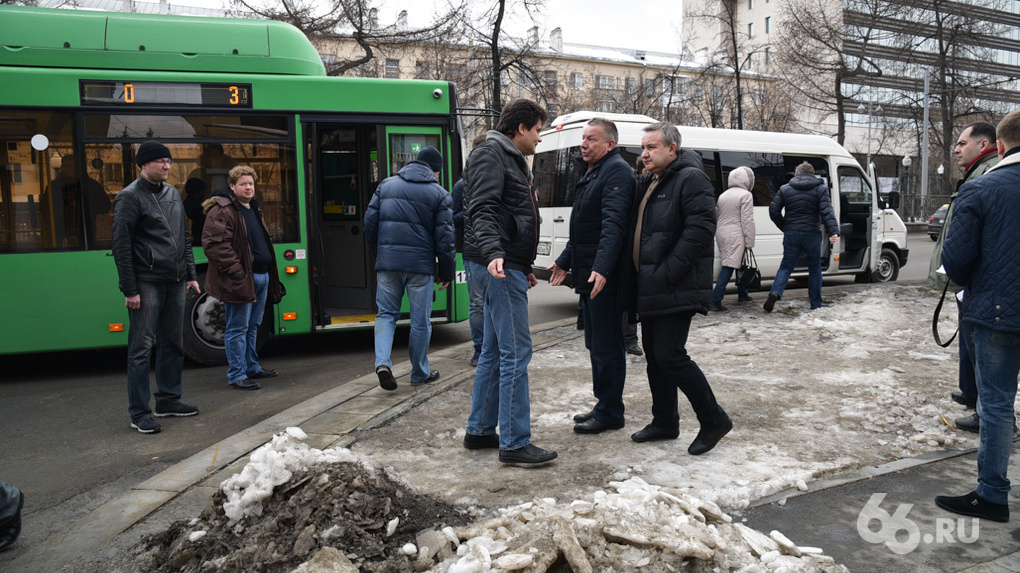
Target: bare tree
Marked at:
356, 19
737, 49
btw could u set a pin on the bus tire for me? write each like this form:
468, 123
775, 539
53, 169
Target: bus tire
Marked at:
207, 323
888, 268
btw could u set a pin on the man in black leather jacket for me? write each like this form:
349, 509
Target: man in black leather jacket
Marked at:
598, 223
670, 254
152, 250
501, 225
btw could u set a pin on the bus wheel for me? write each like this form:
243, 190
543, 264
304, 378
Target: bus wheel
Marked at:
888, 267
204, 328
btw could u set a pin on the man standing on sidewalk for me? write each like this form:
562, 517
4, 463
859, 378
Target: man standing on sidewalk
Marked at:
242, 272
980, 254
598, 223
409, 222
798, 209
501, 223
976, 153
670, 259
152, 250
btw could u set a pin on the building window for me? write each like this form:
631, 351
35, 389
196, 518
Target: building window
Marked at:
577, 80
550, 80
758, 96
604, 82
750, 4
16, 173
768, 56
698, 91
750, 62
605, 107
630, 84
768, 24
419, 70
750, 30
392, 68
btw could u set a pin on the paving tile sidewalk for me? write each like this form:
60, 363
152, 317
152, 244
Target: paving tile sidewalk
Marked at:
922, 537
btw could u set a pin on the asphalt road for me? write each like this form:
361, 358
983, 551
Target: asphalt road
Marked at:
68, 444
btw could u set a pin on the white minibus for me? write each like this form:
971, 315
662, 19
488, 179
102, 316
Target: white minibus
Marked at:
873, 238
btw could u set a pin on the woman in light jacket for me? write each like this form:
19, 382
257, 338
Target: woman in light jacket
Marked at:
734, 231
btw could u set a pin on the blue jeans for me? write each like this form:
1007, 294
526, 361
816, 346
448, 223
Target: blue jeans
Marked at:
389, 291
996, 366
243, 321
795, 243
160, 317
603, 337
968, 384
476, 282
720, 286
500, 393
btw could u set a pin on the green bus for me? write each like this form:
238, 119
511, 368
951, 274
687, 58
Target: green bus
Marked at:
81, 90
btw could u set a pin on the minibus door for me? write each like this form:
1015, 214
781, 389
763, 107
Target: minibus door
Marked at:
403, 144
876, 220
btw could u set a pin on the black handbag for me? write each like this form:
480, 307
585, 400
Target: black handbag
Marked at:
748, 275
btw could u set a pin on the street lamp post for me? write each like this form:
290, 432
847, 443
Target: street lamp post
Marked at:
907, 161
861, 110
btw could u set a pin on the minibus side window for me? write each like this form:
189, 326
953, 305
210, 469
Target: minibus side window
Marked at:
768, 172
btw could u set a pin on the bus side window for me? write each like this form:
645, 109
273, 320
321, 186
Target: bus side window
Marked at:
768, 172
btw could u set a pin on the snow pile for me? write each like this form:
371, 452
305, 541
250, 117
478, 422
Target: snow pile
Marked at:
641, 527
271, 465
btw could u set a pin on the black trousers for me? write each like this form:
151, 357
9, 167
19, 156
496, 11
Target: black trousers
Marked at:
664, 339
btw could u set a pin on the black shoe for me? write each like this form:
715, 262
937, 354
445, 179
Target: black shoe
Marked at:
595, 426
707, 439
959, 398
814, 306
264, 373
651, 433
747, 298
146, 425
970, 423
529, 454
174, 409
386, 379
583, 417
475, 356
633, 348
771, 302
718, 306
9, 535
245, 384
433, 376
476, 442
973, 505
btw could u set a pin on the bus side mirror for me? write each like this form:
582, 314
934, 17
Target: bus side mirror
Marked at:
893, 200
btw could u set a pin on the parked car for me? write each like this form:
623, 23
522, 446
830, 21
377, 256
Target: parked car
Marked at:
936, 221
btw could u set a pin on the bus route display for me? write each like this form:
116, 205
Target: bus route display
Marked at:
127, 94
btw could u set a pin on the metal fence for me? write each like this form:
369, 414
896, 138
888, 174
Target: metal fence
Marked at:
915, 208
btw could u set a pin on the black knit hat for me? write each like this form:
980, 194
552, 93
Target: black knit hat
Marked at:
432, 157
150, 151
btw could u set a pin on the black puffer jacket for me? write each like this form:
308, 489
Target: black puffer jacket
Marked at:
803, 205
150, 236
598, 222
674, 274
501, 211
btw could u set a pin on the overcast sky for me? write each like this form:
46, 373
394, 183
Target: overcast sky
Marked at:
649, 25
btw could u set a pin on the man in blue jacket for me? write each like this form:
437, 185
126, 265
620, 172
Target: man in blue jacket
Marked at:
980, 253
409, 222
805, 202
598, 224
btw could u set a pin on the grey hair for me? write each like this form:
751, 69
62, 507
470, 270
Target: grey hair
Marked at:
608, 128
804, 168
670, 134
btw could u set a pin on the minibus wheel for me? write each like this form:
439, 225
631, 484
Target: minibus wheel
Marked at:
888, 267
